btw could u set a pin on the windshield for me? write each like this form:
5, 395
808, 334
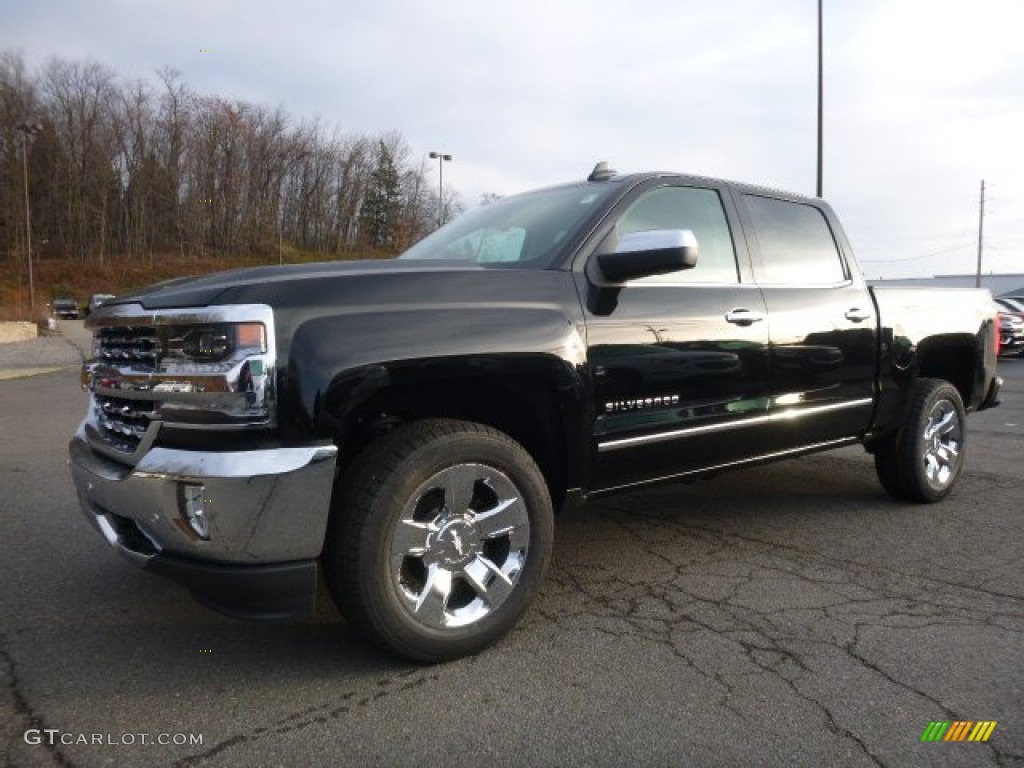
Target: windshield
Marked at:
521, 231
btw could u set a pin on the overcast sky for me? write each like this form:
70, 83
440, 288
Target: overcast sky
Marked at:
923, 98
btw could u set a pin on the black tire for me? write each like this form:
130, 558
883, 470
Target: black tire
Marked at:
439, 539
922, 461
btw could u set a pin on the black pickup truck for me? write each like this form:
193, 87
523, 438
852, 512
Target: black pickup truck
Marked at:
413, 425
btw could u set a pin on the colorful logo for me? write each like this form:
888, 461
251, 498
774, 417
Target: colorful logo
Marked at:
959, 730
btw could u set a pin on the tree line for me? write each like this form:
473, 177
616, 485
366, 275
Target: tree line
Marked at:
125, 169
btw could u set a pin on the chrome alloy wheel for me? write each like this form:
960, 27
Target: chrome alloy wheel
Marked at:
943, 442
459, 546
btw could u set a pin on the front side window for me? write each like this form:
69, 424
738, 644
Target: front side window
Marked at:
796, 243
693, 208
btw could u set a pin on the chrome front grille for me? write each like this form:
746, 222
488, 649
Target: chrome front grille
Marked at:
122, 423
154, 369
137, 347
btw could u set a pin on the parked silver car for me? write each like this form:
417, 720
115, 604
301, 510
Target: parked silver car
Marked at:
1011, 334
1011, 306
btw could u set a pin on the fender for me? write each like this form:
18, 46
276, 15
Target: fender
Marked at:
345, 357
919, 344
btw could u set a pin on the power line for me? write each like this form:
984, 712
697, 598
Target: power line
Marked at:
915, 258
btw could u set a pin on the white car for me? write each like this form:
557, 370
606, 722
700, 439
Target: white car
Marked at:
97, 300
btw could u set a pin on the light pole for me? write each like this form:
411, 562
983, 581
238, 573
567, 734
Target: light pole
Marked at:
441, 159
821, 99
28, 130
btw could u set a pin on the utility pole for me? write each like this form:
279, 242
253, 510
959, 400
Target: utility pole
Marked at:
981, 230
28, 130
820, 99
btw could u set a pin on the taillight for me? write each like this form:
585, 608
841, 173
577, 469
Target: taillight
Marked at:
999, 332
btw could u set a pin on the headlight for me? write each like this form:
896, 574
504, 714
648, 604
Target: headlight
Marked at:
213, 343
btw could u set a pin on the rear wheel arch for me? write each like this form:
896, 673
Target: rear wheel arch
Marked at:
952, 360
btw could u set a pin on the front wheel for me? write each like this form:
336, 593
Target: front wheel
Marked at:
923, 460
439, 538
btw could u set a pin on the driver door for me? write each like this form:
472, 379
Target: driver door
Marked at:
678, 362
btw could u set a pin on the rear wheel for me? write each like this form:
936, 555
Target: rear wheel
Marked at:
439, 539
923, 460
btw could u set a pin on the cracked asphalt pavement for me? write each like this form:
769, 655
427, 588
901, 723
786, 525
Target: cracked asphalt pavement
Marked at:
785, 615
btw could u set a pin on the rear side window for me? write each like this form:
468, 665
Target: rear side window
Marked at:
796, 243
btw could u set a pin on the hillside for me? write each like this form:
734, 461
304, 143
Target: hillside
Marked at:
55, 277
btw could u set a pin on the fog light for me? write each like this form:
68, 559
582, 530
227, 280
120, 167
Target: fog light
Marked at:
197, 509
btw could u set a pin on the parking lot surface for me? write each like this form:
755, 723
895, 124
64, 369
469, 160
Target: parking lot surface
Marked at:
786, 615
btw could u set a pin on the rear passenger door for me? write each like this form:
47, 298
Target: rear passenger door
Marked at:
822, 321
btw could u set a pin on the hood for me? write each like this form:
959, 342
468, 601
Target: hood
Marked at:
218, 288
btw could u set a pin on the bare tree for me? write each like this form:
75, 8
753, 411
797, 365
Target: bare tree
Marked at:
80, 102
18, 103
173, 124
126, 169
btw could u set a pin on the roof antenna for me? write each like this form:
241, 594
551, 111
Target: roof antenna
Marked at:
601, 172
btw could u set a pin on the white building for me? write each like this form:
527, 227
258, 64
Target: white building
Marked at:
1011, 284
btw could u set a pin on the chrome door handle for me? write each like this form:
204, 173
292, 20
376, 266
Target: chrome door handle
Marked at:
743, 317
857, 315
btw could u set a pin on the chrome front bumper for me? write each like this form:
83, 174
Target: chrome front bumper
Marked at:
266, 513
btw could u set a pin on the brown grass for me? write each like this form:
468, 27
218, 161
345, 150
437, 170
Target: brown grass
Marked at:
54, 277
